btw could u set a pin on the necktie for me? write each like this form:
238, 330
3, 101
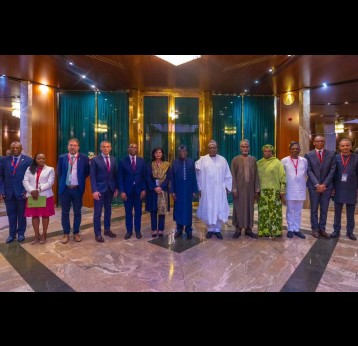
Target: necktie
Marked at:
133, 163
14, 165
107, 164
69, 171
320, 155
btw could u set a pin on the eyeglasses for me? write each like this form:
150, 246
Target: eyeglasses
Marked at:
320, 141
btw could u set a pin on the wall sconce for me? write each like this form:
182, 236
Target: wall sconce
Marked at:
338, 127
101, 128
230, 130
15, 109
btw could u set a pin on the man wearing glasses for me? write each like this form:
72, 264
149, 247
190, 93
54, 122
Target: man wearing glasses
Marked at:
320, 171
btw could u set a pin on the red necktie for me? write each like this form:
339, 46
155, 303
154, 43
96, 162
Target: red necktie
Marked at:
320, 155
107, 164
133, 163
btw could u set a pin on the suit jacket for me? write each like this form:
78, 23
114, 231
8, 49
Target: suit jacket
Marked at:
83, 171
46, 180
12, 184
127, 177
320, 173
101, 180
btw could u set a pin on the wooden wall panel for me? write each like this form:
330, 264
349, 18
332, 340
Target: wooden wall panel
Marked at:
44, 125
287, 126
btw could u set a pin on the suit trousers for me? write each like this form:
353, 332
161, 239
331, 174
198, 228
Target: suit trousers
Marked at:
321, 200
133, 201
350, 210
157, 221
74, 197
106, 202
15, 209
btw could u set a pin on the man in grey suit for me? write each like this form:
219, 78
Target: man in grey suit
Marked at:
320, 171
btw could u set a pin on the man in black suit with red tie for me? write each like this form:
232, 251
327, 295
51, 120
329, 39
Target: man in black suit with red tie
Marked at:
132, 186
12, 171
103, 177
321, 170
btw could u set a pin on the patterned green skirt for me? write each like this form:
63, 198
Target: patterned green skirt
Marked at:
270, 213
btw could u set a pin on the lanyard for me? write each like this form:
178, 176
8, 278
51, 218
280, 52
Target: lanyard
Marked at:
320, 158
38, 173
15, 166
70, 162
345, 163
294, 165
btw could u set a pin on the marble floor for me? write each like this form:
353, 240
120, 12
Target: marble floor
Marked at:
176, 265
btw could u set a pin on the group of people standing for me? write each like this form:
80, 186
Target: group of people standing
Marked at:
268, 182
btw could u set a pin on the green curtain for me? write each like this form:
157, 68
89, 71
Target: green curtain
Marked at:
227, 125
259, 122
187, 125
76, 119
113, 112
155, 125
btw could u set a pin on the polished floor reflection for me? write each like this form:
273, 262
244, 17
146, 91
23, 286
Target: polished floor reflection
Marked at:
176, 265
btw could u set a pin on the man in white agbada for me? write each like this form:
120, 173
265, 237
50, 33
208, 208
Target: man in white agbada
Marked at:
214, 180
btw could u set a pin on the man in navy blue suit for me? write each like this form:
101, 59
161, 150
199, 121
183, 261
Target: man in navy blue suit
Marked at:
104, 183
320, 171
12, 171
72, 169
132, 171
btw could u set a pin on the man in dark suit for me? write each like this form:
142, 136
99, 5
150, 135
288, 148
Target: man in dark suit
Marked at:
12, 171
320, 171
345, 185
104, 183
72, 169
132, 171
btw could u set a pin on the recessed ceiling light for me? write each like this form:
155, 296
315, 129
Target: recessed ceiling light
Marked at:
178, 59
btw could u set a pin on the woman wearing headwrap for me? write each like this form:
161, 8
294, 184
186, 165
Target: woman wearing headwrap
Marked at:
273, 188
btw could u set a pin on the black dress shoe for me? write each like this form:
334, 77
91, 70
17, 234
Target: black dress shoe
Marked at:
219, 235
99, 239
351, 236
178, 234
109, 233
323, 233
127, 236
189, 236
315, 233
237, 234
299, 234
138, 235
20, 238
209, 235
335, 234
251, 234
10, 239
289, 234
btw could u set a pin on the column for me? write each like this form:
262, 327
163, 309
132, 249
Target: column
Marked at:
330, 136
26, 117
304, 128
304, 121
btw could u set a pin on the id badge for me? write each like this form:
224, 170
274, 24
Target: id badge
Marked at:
344, 177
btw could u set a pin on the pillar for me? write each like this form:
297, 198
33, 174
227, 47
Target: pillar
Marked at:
26, 117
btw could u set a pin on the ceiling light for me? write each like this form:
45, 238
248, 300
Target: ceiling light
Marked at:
178, 59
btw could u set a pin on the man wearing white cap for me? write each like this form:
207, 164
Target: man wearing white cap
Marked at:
214, 180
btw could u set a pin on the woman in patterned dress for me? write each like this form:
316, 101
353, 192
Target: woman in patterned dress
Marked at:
273, 188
